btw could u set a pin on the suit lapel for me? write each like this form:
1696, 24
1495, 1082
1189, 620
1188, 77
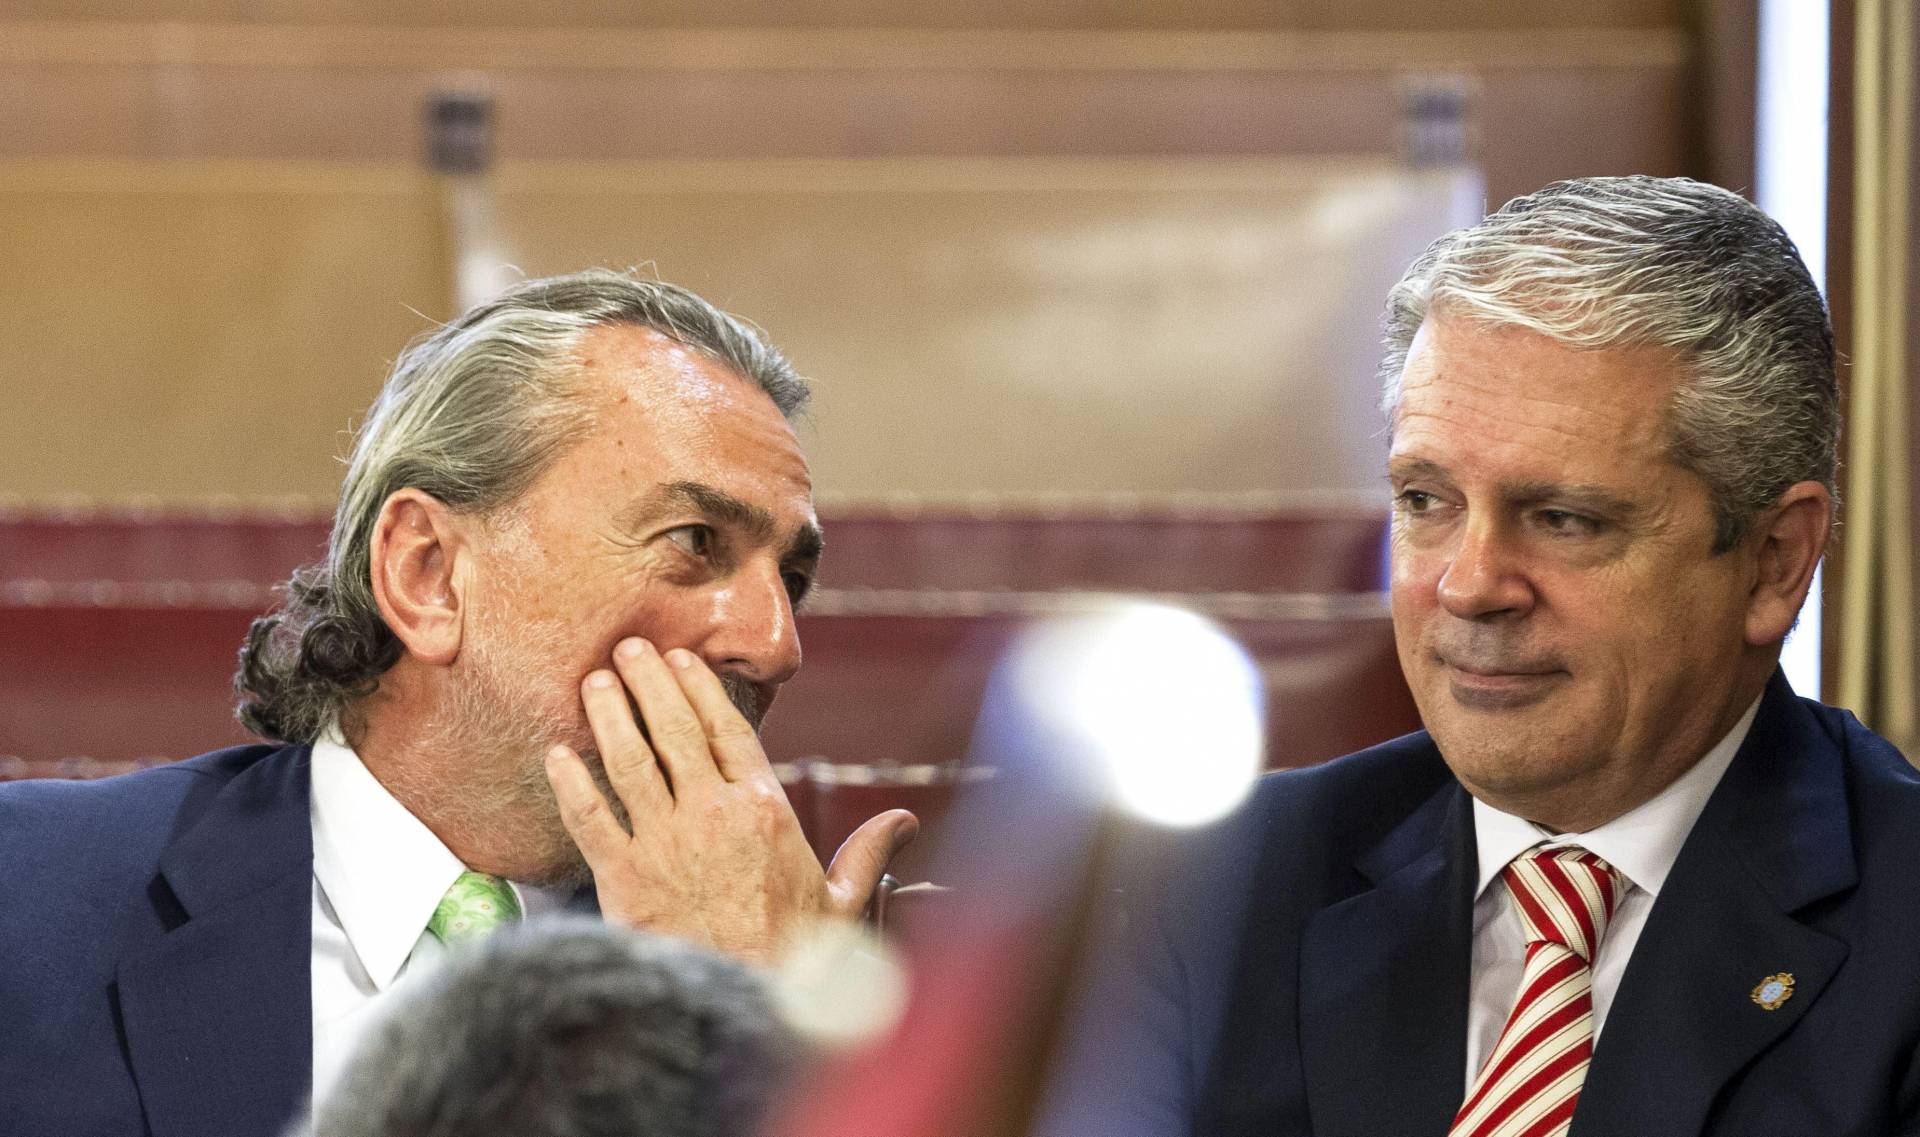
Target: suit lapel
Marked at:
1773, 839
1383, 982
218, 1010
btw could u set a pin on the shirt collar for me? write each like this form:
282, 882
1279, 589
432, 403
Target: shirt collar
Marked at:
381, 868
1642, 843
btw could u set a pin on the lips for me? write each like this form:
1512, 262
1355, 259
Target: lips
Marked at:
1470, 659
1494, 686
1498, 671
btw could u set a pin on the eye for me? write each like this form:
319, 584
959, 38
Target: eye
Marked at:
798, 585
1414, 501
695, 540
1565, 523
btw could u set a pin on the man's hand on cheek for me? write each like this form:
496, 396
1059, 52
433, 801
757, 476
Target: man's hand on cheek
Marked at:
716, 854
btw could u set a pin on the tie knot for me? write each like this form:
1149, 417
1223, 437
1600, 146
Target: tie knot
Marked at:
1564, 896
475, 905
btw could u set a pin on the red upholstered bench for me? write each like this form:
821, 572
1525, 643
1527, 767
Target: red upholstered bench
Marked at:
119, 632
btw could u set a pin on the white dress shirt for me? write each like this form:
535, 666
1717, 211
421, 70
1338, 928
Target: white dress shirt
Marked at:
378, 874
1642, 843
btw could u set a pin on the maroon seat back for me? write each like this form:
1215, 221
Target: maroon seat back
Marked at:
119, 634
1114, 547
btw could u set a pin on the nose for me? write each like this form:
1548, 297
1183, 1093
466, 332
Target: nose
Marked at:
752, 634
1484, 578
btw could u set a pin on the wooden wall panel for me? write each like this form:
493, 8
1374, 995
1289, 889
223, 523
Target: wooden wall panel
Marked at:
1002, 326
186, 332
1021, 326
1317, 81
1549, 103
1248, 14
1576, 122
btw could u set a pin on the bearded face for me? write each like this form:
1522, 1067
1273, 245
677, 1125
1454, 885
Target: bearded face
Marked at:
683, 514
514, 695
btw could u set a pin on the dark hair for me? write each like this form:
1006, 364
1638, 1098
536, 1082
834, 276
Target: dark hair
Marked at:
568, 1028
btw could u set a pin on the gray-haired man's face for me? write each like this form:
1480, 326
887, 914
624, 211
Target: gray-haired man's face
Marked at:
683, 516
1571, 639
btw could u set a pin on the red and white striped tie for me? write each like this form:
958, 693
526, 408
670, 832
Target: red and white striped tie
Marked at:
1565, 898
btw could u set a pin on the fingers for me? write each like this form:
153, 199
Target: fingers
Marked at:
584, 810
679, 738
857, 867
731, 738
630, 763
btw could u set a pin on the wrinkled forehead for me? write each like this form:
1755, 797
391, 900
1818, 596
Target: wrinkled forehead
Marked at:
1579, 319
616, 364
662, 412
1468, 379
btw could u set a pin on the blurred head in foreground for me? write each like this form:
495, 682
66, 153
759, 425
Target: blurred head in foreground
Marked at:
568, 1029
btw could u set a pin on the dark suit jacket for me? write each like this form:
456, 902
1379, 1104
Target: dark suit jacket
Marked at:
156, 948
1305, 969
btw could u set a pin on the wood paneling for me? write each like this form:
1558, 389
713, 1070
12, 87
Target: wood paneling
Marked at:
1018, 326
1841, 158
1726, 79
189, 331
1549, 104
998, 326
1470, 15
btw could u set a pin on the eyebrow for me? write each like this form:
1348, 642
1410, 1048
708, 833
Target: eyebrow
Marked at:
1416, 468
722, 508
1591, 498
1583, 495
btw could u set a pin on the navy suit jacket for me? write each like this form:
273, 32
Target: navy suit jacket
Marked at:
1305, 969
156, 949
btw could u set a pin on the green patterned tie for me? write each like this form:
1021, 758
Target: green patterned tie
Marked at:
475, 905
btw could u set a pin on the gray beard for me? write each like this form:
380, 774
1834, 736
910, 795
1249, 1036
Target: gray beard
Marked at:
746, 699
744, 696
495, 716
528, 796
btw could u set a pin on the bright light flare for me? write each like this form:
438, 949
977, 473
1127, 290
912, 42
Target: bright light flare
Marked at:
1165, 706
840, 986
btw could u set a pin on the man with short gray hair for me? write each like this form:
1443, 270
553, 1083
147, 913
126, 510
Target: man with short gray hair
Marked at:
1625, 882
574, 1029
577, 502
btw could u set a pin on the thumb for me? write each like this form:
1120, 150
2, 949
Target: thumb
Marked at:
863, 857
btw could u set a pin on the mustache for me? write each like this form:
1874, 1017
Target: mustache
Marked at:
1490, 652
744, 694
746, 698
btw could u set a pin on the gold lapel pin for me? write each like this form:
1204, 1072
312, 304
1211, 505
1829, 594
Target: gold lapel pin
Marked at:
1774, 990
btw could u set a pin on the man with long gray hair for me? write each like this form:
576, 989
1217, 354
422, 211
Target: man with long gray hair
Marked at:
528, 676
574, 1029
1625, 882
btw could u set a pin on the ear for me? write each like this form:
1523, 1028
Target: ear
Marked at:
1788, 541
419, 567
